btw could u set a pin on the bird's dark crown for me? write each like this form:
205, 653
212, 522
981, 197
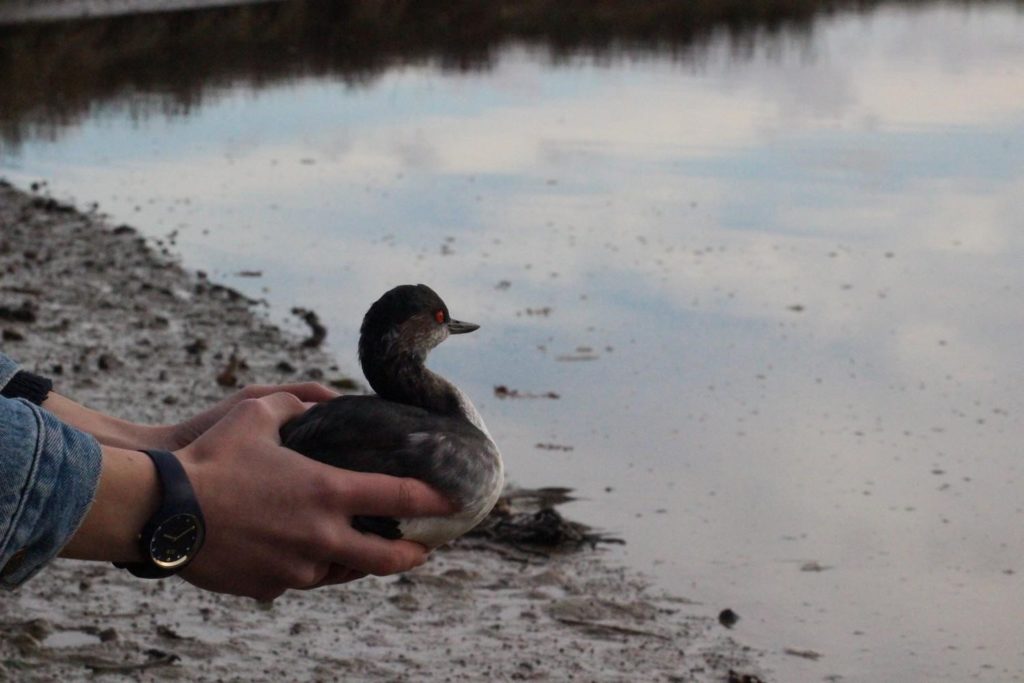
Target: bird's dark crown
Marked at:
395, 307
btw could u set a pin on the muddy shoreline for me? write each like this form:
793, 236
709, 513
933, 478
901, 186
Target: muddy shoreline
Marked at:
121, 325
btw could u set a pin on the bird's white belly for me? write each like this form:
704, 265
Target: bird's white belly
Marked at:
435, 531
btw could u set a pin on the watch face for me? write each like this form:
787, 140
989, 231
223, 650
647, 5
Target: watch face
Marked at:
175, 540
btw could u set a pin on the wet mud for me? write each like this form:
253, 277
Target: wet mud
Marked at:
121, 325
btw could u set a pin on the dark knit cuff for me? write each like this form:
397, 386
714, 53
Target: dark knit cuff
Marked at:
28, 386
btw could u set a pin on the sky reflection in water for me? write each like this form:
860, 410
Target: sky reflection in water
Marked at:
798, 270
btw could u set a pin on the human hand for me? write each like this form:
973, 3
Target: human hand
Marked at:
113, 431
173, 437
276, 519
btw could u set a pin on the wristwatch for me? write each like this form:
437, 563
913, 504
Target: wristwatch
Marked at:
175, 533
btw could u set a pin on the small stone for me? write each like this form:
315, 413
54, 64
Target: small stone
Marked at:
108, 362
38, 628
405, 601
197, 347
813, 566
26, 313
228, 377
25, 643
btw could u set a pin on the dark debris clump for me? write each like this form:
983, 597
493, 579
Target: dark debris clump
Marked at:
527, 519
317, 330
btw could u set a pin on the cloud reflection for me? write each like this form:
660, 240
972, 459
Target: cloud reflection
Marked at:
798, 272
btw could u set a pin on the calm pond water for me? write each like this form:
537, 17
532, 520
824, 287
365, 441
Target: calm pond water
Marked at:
774, 279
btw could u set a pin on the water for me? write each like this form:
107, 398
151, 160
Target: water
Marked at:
774, 280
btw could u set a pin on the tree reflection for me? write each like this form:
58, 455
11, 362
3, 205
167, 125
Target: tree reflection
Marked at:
54, 74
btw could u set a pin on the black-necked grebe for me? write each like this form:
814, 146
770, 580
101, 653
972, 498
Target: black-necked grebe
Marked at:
418, 425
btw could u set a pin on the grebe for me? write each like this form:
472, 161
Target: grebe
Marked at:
418, 425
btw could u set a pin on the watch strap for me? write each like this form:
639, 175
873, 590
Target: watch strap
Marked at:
176, 497
29, 386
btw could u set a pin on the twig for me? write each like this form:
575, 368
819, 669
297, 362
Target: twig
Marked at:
614, 628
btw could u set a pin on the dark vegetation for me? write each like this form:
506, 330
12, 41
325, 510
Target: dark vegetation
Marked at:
51, 74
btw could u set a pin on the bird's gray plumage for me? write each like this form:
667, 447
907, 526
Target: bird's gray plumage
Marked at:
420, 425
370, 434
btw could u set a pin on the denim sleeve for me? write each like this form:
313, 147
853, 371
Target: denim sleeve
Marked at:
48, 477
8, 368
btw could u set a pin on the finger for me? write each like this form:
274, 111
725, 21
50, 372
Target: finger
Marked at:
260, 418
338, 574
276, 408
309, 392
365, 493
310, 577
379, 556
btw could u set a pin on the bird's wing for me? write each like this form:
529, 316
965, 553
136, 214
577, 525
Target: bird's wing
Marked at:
369, 434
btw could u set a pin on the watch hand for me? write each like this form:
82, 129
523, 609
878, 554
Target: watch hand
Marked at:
175, 538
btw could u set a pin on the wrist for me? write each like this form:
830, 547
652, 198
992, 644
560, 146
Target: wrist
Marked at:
156, 436
172, 536
193, 470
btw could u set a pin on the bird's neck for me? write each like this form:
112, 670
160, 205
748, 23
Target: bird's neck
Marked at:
404, 378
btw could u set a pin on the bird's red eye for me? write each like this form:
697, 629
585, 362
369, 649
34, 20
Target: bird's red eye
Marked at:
439, 316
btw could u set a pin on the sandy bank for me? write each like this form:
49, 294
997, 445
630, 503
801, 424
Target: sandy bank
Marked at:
122, 326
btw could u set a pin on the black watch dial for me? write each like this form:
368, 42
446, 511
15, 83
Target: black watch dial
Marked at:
175, 541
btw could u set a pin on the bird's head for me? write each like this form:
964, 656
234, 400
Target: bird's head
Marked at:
408, 320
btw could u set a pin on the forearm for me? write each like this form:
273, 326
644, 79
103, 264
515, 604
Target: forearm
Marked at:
126, 497
108, 430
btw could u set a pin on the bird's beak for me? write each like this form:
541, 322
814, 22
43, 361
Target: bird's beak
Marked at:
459, 327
